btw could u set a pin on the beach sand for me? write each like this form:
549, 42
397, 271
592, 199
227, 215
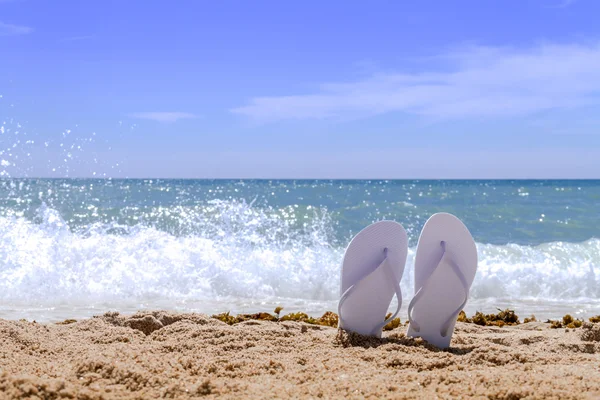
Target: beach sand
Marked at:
169, 355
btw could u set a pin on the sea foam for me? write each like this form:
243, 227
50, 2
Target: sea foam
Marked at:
232, 254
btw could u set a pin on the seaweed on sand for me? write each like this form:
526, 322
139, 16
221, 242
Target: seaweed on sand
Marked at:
231, 320
570, 322
503, 317
225, 317
329, 318
479, 319
555, 324
67, 322
567, 322
462, 317
393, 324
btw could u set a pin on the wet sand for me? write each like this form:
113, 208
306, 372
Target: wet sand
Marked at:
170, 355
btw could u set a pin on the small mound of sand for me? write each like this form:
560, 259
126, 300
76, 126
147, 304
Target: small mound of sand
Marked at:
590, 332
149, 322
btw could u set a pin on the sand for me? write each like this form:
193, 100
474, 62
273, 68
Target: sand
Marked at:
168, 355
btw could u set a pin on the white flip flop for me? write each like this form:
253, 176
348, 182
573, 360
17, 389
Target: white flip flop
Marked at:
371, 272
445, 266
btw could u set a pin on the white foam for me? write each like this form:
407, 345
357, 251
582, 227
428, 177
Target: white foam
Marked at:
238, 256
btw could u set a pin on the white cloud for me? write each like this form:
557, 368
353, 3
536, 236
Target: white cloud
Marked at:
563, 4
480, 82
76, 38
163, 116
14, 30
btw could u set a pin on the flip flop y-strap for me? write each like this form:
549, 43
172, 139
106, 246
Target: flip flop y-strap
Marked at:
463, 280
391, 276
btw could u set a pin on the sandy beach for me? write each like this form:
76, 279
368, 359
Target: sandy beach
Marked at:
169, 355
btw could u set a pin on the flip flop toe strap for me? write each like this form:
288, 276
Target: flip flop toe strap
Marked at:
446, 325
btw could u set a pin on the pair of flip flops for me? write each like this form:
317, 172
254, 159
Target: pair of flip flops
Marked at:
445, 266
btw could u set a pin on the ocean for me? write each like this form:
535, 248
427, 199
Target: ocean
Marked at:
73, 248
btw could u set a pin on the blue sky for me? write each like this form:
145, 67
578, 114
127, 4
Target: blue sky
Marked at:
268, 89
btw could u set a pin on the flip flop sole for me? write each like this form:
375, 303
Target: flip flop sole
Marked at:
444, 291
366, 307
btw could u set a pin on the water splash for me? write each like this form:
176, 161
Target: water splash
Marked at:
25, 151
232, 252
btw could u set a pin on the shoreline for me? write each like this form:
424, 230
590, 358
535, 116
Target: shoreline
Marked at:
165, 354
506, 316
542, 309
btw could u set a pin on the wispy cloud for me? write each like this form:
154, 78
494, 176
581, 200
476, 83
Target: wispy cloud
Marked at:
563, 4
480, 82
163, 116
14, 30
76, 38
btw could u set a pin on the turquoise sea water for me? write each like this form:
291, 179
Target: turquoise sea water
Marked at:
78, 247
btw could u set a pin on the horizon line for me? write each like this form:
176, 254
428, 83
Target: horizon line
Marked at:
301, 179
